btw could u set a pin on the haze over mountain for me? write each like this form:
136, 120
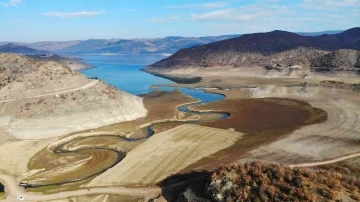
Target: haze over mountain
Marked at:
139, 46
261, 49
43, 55
166, 45
14, 48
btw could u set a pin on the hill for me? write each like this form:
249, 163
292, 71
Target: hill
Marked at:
41, 99
13, 48
43, 55
45, 45
350, 37
260, 49
257, 181
319, 33
166, 45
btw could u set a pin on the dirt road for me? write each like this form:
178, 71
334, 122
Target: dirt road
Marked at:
342, 158
14, 191
88, 85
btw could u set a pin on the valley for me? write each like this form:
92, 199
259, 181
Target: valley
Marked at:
269, 113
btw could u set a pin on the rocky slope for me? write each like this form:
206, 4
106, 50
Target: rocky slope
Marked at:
261, 49
338, 59
259, 181
350, 37
41, 99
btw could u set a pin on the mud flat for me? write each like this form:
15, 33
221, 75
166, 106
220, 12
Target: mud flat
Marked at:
262, 120
339, 135
15, 155
165, 154
161, 105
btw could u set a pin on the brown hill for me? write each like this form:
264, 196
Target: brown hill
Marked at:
350, 37
338, 59
258, 49
41, 99
259, 181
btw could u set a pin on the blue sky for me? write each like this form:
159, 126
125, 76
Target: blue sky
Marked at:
40, 20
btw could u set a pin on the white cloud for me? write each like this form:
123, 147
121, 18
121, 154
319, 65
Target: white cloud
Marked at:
165, 19
11, 3
326, 4
214, 15
245, 13
74, 14
210, 5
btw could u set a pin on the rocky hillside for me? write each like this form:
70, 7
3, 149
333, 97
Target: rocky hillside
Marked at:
338, 59
260, 49
40, 99
350, 37
257, 181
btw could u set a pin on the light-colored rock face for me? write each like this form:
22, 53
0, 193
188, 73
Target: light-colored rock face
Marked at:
53, 100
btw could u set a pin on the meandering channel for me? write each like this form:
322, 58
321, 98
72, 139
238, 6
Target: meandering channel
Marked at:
60, 147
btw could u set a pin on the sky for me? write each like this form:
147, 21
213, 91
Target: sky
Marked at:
59, 20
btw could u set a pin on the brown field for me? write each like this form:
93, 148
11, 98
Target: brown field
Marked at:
101, 198
157, 110
165, 154
60, 168
16, 154
47, 167
262, 120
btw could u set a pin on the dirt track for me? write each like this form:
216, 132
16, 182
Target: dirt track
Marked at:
88, 85
13, 191
310, 164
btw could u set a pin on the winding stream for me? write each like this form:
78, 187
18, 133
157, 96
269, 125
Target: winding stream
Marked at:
201, 95
124, 73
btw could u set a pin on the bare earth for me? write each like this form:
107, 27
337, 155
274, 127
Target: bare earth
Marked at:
165, 154
336, 137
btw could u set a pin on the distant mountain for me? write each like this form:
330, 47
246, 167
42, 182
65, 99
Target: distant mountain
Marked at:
261, 49
13, 48
51, 45
319, 33
48, 56
167, 45
350, 37
45, 45
91, 45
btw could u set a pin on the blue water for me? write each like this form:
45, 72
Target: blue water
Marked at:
123, 71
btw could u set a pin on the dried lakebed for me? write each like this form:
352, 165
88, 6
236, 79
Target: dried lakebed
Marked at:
94, 153
100, 156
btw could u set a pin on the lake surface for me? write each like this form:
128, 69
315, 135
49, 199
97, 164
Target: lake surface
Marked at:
123, 71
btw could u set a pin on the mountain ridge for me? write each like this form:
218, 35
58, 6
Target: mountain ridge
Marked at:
43, 55
108, 46
261, 49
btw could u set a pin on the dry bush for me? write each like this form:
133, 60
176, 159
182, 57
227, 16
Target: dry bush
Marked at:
258, 181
